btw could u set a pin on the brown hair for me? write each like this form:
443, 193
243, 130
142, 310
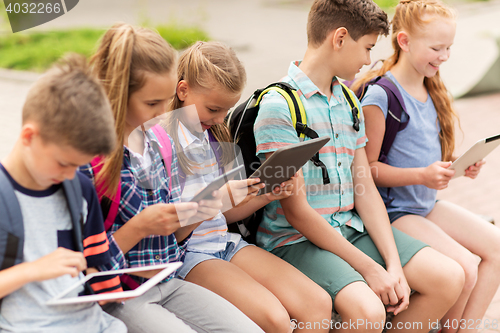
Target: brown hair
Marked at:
411, 16
71, 108
204, 65
359, 17
124, 55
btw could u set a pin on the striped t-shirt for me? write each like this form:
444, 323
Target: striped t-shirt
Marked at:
273, 129
211, 236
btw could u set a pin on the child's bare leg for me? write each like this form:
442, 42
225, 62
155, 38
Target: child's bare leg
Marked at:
305, 301
482, 239
438, 282
361, 310
428, 232
239, 288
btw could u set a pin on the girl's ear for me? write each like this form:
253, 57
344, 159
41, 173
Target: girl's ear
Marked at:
403, 41
339, 37
182, 90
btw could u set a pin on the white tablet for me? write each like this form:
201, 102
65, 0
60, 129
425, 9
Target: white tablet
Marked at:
474, 154
286, 161
167, 269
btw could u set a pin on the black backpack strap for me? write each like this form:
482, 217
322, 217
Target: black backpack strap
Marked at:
11, 226
74, 197
354, 108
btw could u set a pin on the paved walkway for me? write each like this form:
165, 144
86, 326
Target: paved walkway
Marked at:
268, 34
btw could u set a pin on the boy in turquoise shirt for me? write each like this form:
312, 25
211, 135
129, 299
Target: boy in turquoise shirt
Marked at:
339, 234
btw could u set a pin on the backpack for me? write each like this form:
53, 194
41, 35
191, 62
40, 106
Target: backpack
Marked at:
241, 121
393, 121
396, 107
12, 226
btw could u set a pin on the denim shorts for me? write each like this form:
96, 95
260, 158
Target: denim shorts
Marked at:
393, 216
194, 258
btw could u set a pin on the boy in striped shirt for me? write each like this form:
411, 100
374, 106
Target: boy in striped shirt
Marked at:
339, 234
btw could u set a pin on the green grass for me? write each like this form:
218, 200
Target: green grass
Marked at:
37, 51
386, 4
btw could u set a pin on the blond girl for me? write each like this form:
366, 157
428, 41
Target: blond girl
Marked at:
267, 289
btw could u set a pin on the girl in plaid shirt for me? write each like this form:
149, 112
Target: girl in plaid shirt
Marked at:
137, 69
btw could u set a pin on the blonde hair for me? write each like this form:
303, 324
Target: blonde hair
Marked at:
411, 16
204, 65
124, 55
359, 17
70, 108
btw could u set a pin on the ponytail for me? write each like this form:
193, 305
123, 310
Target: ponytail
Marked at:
123, 55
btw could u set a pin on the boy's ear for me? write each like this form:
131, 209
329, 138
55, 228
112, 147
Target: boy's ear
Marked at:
403, 41
339, 37
28, 131
182, 90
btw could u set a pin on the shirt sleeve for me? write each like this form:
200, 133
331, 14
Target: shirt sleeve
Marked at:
273, 127
376, 95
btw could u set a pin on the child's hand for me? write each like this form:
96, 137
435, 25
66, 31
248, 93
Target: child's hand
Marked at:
283, 191
207, 209
163, 219
238, 192
473, 170
437, 175
58, 263
404, 296
392, 289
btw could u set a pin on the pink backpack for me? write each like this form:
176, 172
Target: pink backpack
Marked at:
110, 216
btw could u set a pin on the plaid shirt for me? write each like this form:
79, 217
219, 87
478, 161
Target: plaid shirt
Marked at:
144, 182
273, 129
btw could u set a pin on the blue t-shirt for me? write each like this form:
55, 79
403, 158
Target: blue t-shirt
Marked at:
416, 146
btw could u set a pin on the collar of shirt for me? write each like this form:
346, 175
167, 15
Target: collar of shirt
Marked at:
308, 88
186, 138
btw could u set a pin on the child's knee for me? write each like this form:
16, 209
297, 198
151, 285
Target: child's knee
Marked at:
367, 316
447, 281
317, 305
277, 320
470, 267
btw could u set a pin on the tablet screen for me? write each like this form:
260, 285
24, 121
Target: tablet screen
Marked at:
166, 270
216, 184
286, 161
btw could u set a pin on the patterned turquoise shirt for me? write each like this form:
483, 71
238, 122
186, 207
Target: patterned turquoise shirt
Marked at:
273, 129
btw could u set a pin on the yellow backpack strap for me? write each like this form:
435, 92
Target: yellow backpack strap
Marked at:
355, 107
295, 106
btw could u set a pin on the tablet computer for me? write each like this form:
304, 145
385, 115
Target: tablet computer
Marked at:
216, 184
166, 270
474, 154
286, 161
